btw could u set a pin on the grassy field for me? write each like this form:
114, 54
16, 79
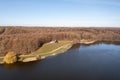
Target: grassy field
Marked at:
48, 49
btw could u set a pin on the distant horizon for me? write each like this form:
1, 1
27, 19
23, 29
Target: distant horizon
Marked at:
65, 26
78, 13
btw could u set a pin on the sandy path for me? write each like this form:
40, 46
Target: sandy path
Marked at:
67, 46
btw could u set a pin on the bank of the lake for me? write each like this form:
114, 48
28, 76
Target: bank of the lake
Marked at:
1, 60
49, 49
81, 62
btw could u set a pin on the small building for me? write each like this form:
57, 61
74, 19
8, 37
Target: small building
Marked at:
55, 41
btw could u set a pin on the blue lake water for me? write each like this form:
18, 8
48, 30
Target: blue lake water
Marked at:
81, 62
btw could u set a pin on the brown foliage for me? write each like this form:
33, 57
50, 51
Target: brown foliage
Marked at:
24, 40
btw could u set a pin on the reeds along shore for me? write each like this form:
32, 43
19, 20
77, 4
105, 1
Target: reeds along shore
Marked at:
25, 40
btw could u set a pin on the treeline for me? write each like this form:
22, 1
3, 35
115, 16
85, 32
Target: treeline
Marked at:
24, 40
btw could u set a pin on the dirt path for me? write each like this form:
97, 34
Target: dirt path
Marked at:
64, 46
67, 46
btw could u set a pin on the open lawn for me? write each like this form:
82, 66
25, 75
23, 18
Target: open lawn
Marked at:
48, 49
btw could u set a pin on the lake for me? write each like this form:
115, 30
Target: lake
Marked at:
81, 62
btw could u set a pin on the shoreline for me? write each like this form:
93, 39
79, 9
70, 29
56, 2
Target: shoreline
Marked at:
87, 42
45, 56
67, 47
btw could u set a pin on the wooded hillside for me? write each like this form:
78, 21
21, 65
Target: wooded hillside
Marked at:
24, 40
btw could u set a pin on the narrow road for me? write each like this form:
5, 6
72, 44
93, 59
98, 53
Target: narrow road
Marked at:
33, 55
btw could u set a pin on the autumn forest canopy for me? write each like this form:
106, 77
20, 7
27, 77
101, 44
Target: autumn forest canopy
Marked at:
25, 40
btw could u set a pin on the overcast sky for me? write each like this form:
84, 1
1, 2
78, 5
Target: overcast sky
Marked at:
89, 13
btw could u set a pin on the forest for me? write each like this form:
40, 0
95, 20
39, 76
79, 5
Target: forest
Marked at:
25, 40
